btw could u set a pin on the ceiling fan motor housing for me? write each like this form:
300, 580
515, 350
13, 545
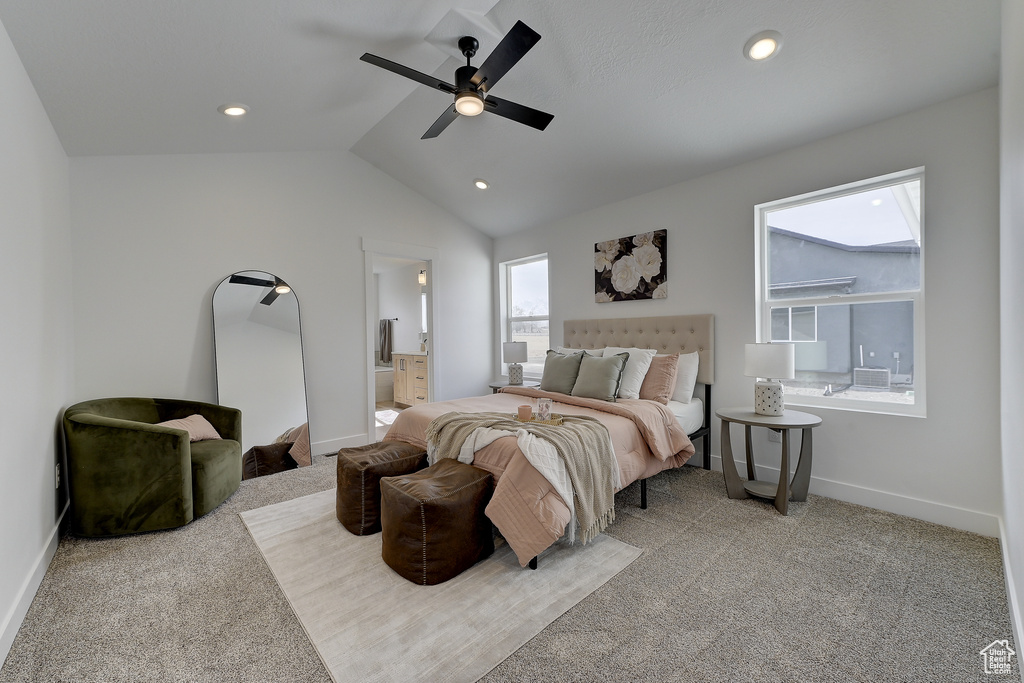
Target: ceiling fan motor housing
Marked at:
462, 78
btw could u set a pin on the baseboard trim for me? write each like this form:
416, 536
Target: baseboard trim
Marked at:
1011, 590
16, 615
927, 510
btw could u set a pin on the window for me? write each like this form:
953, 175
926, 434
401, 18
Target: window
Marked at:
839, 276
525, 315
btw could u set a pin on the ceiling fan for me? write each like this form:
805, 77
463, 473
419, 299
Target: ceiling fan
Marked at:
472, 84
279, 286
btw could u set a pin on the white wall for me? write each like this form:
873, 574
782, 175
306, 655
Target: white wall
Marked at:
35, 339
154, 235
944, 468
1011, 291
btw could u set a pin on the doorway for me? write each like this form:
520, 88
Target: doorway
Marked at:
400, 322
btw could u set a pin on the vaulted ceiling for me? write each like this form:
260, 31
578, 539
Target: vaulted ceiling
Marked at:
645, 93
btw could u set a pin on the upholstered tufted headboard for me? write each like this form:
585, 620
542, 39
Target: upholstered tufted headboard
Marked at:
667, 334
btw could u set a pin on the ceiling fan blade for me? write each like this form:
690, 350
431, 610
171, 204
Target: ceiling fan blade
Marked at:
516, 43
409, 73
270, 297
517, 112
442, 122
246, 280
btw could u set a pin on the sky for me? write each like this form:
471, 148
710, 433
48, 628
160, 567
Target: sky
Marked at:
860, 219
530, 287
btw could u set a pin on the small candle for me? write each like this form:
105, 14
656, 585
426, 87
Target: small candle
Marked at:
525, 412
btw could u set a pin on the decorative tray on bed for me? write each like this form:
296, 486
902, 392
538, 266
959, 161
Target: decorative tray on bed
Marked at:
555, 419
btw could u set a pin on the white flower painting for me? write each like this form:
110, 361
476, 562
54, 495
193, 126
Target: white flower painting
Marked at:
631, 268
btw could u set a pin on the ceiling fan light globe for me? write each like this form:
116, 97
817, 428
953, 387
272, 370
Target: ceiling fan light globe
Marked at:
282, 289
469, 104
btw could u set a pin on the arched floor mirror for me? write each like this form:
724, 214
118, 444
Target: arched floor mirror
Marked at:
258, 349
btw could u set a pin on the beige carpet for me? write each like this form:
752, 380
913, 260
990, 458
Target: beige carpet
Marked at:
369, 624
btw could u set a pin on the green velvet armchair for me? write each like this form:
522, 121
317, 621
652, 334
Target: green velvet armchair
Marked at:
126, 474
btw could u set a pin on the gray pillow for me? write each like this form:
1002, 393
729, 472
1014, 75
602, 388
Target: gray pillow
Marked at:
599, 377
560, 371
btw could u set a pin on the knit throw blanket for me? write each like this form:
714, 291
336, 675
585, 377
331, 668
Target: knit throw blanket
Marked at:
582, 443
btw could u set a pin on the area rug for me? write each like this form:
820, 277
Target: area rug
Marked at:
369, 624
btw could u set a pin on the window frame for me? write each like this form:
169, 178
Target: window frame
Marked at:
507, 319
764, 304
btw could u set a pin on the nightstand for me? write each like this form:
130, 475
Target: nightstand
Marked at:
784, 490
504, 383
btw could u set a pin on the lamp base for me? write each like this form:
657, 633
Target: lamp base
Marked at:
768, 398
515, 374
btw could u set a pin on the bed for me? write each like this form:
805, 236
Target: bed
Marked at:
645, 434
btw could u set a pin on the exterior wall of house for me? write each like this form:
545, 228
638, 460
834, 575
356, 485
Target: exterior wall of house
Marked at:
909, 465
876, 329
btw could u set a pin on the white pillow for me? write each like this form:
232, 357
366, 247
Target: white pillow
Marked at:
634, 372
686, 377
565, 351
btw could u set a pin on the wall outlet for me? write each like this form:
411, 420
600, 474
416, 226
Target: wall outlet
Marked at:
774, 436
56, 476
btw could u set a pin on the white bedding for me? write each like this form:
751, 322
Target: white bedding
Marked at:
690, 415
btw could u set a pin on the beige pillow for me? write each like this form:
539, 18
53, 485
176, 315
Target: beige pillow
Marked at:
686, 377
300, 450
660, 380
197, 426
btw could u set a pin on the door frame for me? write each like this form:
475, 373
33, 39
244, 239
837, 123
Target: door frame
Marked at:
418, 252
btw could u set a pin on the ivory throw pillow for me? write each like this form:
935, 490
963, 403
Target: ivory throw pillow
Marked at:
560, 371
686, 377
636, 368
197, 426
599, 376
660, 381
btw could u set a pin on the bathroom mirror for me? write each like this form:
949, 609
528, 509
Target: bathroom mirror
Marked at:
258, 349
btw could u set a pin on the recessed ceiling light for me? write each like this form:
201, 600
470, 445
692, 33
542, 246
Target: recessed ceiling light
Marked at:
233, 109
481, 184
763, 46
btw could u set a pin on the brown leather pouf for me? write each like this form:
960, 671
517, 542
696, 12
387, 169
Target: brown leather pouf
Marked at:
433, 521
359, 473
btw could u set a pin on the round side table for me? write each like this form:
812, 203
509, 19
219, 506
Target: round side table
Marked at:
784, 490
504, 383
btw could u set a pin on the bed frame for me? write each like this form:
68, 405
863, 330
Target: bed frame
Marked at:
666, 334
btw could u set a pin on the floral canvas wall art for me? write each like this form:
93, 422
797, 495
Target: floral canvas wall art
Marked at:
631, 268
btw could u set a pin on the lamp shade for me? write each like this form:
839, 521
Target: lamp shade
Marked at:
771, 361
513, 352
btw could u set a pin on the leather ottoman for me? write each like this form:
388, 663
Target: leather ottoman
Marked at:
359, 473
433, 521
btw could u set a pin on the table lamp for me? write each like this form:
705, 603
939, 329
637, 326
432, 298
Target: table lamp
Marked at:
772, 362
514, 353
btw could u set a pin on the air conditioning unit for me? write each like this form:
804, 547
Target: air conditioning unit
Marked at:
871, 378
